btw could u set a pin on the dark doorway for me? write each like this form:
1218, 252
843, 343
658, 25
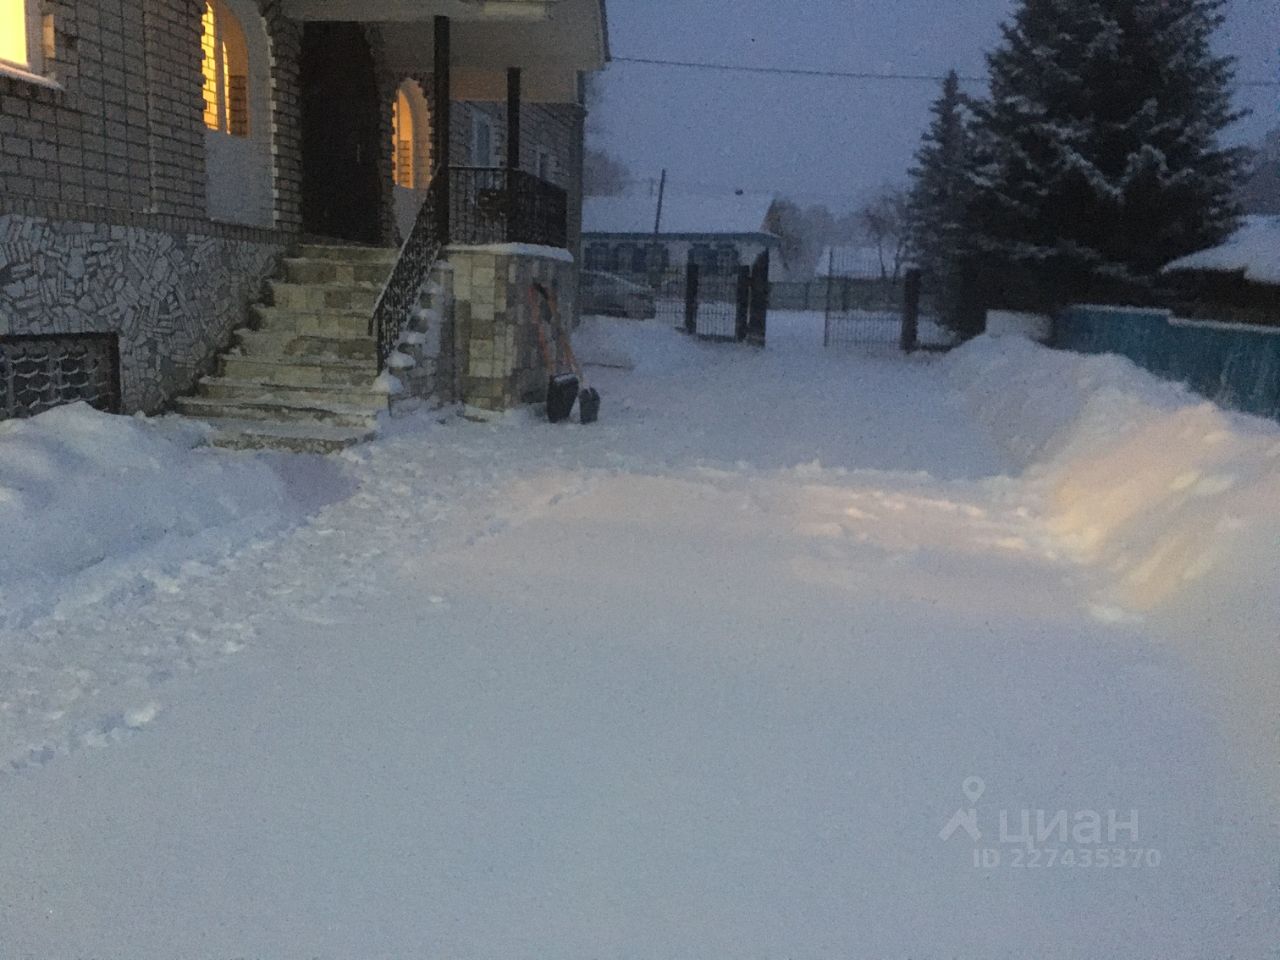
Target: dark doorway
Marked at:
341, 139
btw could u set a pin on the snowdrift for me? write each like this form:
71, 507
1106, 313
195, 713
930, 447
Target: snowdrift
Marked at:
82, 489
1138, 477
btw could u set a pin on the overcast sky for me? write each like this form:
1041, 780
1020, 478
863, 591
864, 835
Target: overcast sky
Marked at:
822, 140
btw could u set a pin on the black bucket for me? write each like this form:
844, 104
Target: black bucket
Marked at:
562, 391
589, 405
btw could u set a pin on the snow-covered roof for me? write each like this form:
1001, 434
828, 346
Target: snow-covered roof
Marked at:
853, 262
735, 214
1253, 250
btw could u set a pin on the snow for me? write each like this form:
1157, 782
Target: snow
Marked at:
1253, 250
536, 250
81, 489
682, 214
707, 678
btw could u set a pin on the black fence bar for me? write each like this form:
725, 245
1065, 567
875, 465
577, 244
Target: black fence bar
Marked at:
691, 298
497, 205
911, 312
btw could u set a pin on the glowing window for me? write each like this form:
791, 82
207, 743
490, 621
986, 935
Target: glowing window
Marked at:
402, 143
226, 71
15, 33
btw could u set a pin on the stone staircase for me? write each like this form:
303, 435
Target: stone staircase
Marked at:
302, 376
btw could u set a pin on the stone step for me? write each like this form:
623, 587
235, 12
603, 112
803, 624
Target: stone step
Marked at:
249, 407
283, 345
348, 254
318, 270
323, 296
221, 388
298, 371
313, 323
294, 437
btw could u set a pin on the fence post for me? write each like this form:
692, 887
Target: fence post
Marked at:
759, 311
826, 320
911, 311
691, 297
744, 304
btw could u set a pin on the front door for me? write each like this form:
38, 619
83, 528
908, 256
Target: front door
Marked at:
341, 185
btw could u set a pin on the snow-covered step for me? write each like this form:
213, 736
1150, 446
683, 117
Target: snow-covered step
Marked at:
326, 270
221, 388
283, 345
317, 322
298, 371
323, 296
294, 437
258, 408
349, 254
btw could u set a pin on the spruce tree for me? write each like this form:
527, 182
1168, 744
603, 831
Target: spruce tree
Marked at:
1098, 158
938, 207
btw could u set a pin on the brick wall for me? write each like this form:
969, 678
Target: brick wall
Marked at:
103, 224
121, 139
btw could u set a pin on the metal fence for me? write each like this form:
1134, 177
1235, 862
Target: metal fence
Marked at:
888, 313
497, 205
714, 303
40, 372
710, 298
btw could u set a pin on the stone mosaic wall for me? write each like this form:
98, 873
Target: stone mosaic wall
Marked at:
495, 343
172, 299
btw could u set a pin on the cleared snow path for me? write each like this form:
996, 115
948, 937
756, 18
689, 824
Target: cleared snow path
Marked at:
706, 680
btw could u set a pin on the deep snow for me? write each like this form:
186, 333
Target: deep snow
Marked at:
705, 679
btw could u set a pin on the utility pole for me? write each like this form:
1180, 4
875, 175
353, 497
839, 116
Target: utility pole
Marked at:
662, 189
655, 257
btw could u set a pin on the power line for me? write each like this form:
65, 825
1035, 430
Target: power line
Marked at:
791, 71
838, 74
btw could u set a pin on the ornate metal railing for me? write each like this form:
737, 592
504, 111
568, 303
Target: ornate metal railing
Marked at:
412, 271
498, 205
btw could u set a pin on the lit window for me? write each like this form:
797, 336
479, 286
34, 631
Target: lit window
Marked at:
402, 141
226, 71
26, 38
13, 32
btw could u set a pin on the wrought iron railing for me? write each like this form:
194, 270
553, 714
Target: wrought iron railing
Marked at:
412, 271
499, 205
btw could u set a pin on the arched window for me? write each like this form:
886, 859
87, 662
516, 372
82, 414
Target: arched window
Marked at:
402, 142
226, 71
236, 80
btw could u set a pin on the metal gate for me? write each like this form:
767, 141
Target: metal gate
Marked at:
885, 313
715, 304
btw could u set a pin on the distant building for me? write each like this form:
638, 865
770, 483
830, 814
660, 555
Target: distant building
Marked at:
1236, 280
719, 233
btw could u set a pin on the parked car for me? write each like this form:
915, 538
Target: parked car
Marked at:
607, 294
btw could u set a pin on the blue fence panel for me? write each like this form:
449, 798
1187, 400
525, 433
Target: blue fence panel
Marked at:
1235, 365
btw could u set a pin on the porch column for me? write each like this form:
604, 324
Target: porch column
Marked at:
441, 131
513, 118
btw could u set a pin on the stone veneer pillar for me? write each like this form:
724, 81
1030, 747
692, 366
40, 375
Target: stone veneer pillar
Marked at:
495, 344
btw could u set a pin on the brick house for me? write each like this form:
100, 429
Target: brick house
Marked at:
167, 164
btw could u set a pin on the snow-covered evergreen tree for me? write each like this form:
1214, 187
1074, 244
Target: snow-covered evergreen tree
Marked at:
1098, 152
938, 206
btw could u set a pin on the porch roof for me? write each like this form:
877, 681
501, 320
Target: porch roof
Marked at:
411, 10
551, 41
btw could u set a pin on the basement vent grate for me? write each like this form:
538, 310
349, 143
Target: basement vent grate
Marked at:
44, 371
